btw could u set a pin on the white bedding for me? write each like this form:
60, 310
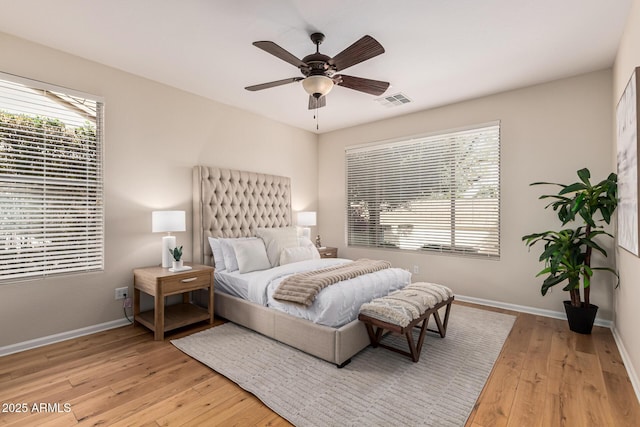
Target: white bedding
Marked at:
335, 305
232, 283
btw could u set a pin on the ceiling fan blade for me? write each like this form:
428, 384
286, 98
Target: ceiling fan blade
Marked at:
365, 48
372, 87
317, 102
274, 84
276, 50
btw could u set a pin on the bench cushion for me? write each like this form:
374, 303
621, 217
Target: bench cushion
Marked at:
405, 305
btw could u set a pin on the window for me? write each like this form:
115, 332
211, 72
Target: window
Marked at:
432, 193
51, 189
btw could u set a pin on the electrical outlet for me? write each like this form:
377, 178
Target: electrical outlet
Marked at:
416, 269
121, 293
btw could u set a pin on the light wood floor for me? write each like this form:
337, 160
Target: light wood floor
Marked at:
545, 376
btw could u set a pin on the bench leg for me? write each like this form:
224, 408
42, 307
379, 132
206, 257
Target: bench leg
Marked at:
374, 336
412, 348
446, 318
416, 349
442, 326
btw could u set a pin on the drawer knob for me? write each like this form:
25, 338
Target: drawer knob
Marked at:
191, 279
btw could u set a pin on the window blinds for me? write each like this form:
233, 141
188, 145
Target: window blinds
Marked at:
51, 180
433, 193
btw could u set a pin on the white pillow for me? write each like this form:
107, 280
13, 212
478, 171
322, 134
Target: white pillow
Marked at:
229, 254
251, 255
299, 253
277, 239
218, 258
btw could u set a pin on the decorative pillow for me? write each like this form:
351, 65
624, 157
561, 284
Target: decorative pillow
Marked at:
218, 258
251, 255
299, 253
229, 253
277, 239
304, 241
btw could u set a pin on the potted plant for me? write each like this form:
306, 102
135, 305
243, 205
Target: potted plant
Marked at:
176, 253
567, 253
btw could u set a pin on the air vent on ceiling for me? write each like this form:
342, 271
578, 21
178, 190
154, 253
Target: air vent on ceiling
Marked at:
393, 100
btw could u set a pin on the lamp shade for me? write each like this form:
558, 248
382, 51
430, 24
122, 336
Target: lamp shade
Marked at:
317, 86
306, 219
167, 221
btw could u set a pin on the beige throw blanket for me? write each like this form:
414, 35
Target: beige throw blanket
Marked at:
302, 288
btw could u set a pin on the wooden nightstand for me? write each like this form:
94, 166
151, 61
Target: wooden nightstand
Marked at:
328, 252
160, 282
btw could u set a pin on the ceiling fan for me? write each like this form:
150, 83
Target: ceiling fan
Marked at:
320, 70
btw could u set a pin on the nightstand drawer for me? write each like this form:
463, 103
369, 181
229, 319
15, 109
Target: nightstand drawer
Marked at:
328, 252
185, 282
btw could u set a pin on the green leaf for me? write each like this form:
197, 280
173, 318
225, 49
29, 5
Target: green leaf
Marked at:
552, 281
544, 271
176, 253
572, 188
546, 183
584, 175
587, 217
595, 246
610, 270
553, 196
578, 203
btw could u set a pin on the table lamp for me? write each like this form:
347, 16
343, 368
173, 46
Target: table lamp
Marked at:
167, 222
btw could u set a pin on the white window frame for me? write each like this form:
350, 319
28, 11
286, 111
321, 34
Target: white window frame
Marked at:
399, 194
51, 185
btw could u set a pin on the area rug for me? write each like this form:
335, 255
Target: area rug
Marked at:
378, 387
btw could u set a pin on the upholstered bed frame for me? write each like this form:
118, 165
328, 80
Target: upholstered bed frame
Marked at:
231, 203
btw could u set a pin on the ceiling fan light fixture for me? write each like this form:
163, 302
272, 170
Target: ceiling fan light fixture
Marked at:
317, 86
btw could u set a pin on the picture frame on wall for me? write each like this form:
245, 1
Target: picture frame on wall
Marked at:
627, 162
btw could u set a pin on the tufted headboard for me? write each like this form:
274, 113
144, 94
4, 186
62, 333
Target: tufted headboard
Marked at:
232, 203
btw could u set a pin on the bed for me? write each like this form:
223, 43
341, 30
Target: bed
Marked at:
236, 204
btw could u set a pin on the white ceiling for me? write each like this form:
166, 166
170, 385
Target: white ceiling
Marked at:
437, 51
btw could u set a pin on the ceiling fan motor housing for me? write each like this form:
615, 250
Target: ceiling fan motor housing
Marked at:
318, 72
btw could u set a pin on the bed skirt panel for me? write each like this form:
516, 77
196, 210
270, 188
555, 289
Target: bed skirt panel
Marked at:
330, 344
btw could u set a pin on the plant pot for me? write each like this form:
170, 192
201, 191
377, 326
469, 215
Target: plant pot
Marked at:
177, 265
580, 318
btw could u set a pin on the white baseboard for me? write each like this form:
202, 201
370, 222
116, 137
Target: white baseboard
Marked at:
63, 336
530, 310
633, 377
39, 342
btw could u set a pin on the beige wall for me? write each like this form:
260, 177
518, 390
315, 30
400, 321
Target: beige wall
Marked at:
548, 132
154, 135
627, 296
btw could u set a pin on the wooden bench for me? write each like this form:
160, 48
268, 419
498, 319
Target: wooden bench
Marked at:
401, 311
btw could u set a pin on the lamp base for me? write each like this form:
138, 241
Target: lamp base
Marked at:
306, 232
168, 242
